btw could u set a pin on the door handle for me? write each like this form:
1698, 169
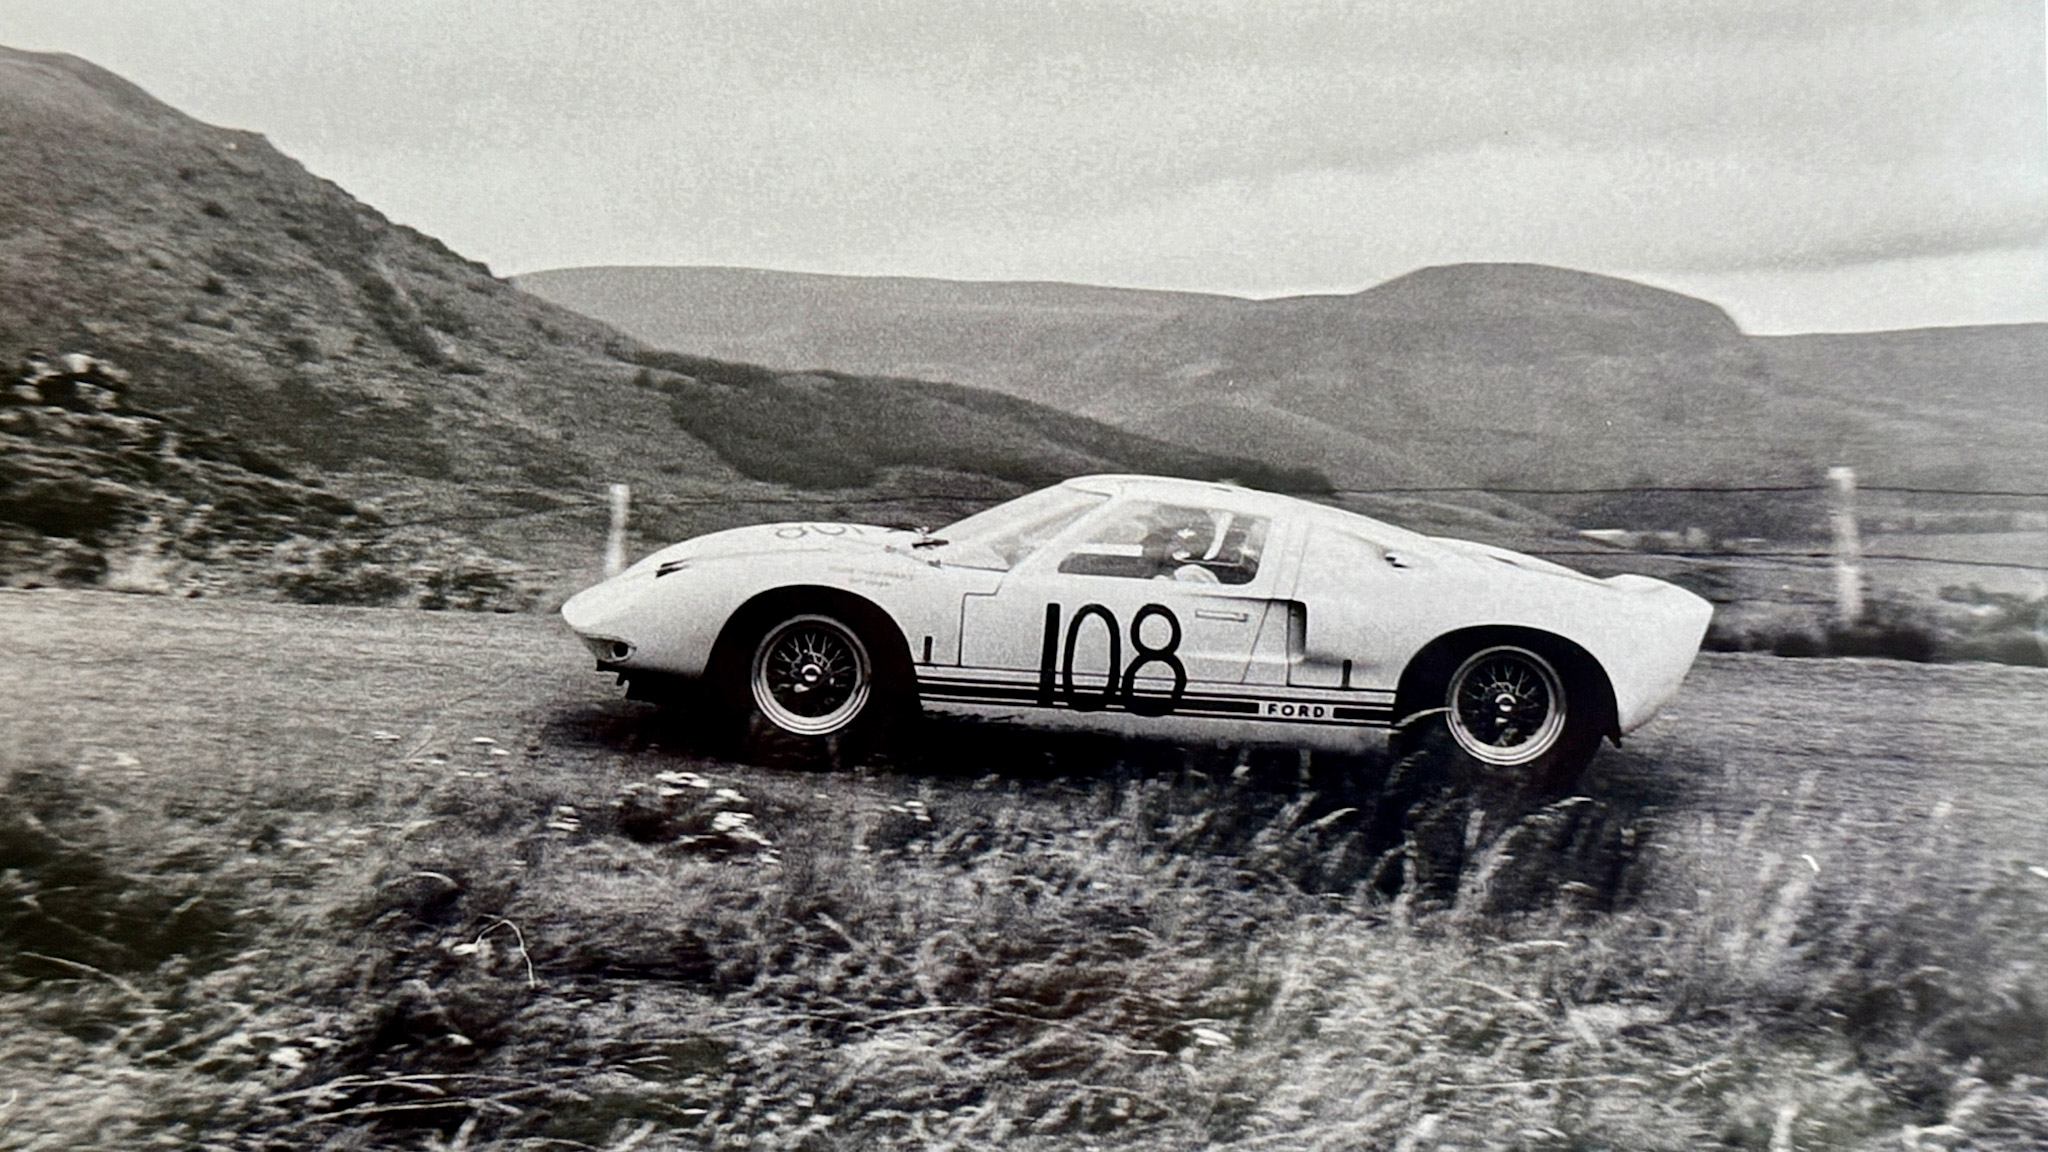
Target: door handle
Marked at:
1213, 614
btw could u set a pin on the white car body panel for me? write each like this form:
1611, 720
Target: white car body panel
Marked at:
1310, 648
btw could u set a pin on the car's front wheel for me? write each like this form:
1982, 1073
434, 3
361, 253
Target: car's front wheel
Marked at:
1510, 712
811, 675
808, 680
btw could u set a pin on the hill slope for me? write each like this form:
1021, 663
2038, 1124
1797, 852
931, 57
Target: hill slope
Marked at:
1966, 407
987, 334
1514, 375
257, 304
244, 293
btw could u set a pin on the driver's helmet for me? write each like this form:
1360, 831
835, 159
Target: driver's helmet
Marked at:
1189, 540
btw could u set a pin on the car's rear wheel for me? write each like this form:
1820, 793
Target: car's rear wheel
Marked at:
1506, 706
1509, 712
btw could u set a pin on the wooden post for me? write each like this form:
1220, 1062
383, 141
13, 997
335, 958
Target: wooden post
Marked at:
1848, 546
615, 540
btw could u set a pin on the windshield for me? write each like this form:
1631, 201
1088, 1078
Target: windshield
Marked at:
1006, 533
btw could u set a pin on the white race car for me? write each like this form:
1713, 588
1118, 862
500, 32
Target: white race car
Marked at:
1149, 606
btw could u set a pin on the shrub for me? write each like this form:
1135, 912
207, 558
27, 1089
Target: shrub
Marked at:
427, 571
437, 312
1965, 624
472, 582
396, 316
344, 571
303, 349
75, 901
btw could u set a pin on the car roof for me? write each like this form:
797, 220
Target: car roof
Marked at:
1174, 487
1248, 499
1178, 488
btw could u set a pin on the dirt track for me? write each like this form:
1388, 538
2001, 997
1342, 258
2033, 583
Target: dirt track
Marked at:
216, 701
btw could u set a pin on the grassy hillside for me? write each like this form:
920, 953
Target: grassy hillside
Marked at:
829, 429
1967, 407
247, 296
995, 335
1514, 375
1480, 374
249, 301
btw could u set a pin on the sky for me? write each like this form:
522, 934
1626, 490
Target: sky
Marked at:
1810, 165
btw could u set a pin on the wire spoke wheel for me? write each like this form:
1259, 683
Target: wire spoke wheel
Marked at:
1506, 706
811, 676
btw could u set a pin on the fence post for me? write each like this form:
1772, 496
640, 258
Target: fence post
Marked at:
615, 540
1848, 546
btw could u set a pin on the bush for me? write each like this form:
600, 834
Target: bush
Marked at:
75, 901
392, 312
1965, 624
473, 582
346, 571
1894, 639
439, 313
430, 572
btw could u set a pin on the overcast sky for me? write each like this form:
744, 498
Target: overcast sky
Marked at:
1808, 164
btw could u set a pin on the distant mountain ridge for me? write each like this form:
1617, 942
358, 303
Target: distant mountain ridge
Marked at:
885, 325
1496, 374
254, 303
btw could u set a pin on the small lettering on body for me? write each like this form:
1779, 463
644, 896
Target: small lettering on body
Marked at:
863, 578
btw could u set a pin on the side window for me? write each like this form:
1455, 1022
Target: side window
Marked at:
1146, 540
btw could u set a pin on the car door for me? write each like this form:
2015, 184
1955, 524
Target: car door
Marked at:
1150, 606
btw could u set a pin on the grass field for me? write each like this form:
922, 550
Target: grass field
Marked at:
276, 876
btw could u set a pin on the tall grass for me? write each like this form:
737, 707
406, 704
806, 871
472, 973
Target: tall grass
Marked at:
1018, 943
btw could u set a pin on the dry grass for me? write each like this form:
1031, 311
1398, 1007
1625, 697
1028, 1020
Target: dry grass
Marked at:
303, 906
1084, 945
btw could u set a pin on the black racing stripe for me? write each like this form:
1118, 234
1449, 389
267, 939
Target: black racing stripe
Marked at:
979, 692
1210, 704
1324, 722
1222, 704
1201, 705
947, 684
1193, 712
932, 685
970, 690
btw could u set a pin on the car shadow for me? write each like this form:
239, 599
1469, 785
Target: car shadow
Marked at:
1417, 828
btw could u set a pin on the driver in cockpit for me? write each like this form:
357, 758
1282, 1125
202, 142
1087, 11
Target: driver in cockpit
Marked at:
1182, 541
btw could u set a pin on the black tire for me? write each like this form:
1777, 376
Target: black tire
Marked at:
1508, 712
808, 681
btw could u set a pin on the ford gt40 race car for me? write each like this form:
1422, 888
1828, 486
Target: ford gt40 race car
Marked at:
1150, 606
